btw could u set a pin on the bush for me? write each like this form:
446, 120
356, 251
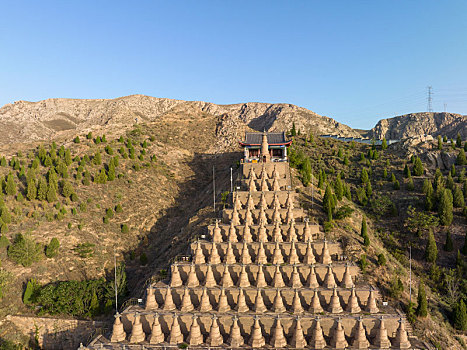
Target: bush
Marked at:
24, 250
85, 250
76, 139
344, 212
363, 262
118, 208
109, 213
396, 288
89, 136
30, 293
52, 248
381, 259
124, 228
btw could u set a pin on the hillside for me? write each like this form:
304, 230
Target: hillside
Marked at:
25, 121
419, 124
163, 184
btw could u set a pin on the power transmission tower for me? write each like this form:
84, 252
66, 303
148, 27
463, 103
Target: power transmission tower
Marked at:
430, 99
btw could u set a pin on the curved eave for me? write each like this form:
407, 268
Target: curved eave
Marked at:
270, 144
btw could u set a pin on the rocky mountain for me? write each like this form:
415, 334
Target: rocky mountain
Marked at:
24, 121
417, 124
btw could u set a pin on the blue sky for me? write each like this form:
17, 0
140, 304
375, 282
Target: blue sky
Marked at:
355, 61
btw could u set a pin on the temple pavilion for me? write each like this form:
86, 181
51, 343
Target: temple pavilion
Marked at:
263, 276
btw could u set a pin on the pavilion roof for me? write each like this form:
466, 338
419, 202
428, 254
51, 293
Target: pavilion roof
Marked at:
274, 138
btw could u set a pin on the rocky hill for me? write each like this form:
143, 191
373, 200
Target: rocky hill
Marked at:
24, 121
416, 124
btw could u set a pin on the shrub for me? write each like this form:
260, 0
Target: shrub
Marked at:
124, 228
76, 139
460, 316
85, 250
118, 208
381, 259
89, 136
24, 250
109, 213
363, 262
448, 245
52, 248
4, 242
396, 288
344, 212
422, 307
30, 292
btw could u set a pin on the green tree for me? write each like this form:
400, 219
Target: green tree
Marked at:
42, 190
124, 228
364, 227
24, 250
10, 188
384, 144
52, 248
51, 194
440, 142
445, 138
67, 189
431, 251
76, 139
418, 167
339, 188
101, 178
460, 316
422, 307
364, 176
461, 160
448, 245
429, 195
97, 158
445, 208
458, 197
417, 221
111, 172
293, 131
458, 141
29, 292
453, 170
381, 259
31, 190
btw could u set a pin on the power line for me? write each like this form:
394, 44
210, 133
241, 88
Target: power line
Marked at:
430, 99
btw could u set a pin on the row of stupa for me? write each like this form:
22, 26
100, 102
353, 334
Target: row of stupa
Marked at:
266, 277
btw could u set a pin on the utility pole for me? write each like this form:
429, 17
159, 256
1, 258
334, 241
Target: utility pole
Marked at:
410, 272
214, 188
430, 99
115, 282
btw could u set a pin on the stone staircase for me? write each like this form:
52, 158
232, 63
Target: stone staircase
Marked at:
265, 278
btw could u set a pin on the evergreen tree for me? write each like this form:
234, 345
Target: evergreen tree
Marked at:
440, 143
94, 307
458, 141
51, 194
293, 132
52, 248
460, 316
458, 197
364, 228
24, 250
450, 182
445, 208
97, 158
385, 173
410, 185
449, 245
76, 139
445, 138
384, 144
368, 189
366, 240
42, 190
28, 292
10, 185
431, 252
67, 189
364, 176
461, 160
3, 161
31, 190
422, 307
406, 171
52, 178
111, 172
418, 167
101, 178
339, 188
68, 159
453, 170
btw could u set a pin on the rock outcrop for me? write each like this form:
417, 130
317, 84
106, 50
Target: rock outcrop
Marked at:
416, 124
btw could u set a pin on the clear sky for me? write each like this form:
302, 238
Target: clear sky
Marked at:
355, 61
